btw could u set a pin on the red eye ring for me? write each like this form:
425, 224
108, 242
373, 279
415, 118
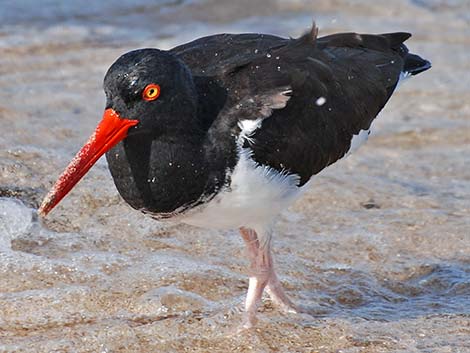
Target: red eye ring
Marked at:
151, 92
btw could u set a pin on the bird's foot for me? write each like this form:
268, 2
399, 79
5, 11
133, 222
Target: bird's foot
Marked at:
262, 277
284, 303
279, 297
249, 321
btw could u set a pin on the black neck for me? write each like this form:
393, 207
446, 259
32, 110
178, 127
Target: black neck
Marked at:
169, 172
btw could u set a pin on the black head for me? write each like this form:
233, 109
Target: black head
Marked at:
148, 91
153, 87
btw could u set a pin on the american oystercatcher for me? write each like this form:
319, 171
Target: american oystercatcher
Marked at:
226, 131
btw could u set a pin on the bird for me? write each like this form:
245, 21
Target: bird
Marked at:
226, 131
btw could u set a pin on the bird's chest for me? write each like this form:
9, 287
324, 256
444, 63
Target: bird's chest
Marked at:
254, 195
157, 177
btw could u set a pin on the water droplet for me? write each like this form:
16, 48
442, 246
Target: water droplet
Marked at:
320, 101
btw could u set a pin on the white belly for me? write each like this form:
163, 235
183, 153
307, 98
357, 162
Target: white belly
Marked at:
255, 196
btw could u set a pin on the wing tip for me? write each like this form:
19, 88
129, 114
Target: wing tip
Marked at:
397, 38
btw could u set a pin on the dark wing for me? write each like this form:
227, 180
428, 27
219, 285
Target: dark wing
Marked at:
238, 76
339, 85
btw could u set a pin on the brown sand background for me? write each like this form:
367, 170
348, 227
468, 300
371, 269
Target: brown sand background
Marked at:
378, 250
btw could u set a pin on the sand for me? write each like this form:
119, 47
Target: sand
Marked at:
377, 251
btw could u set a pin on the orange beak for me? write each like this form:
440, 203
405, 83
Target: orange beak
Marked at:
108, 133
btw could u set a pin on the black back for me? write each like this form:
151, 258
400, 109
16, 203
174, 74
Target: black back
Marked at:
356, 75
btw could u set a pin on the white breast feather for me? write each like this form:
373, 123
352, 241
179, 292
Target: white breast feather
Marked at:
256, 194
248, 127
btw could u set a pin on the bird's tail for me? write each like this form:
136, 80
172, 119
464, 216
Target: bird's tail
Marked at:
413, 64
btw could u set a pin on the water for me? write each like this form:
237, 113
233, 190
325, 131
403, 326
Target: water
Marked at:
377, 252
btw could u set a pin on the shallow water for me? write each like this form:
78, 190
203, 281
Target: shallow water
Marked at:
377, 252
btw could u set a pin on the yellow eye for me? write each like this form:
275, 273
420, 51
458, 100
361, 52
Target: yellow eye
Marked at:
151, 92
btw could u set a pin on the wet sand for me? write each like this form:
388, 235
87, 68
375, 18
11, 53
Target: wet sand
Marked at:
377, 252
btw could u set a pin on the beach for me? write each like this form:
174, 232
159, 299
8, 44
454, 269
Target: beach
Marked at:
377, 251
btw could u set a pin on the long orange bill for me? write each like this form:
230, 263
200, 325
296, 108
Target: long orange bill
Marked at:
108, 133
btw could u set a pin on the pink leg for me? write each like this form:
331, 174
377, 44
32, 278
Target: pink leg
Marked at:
258, 276
262, 276
279, 296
